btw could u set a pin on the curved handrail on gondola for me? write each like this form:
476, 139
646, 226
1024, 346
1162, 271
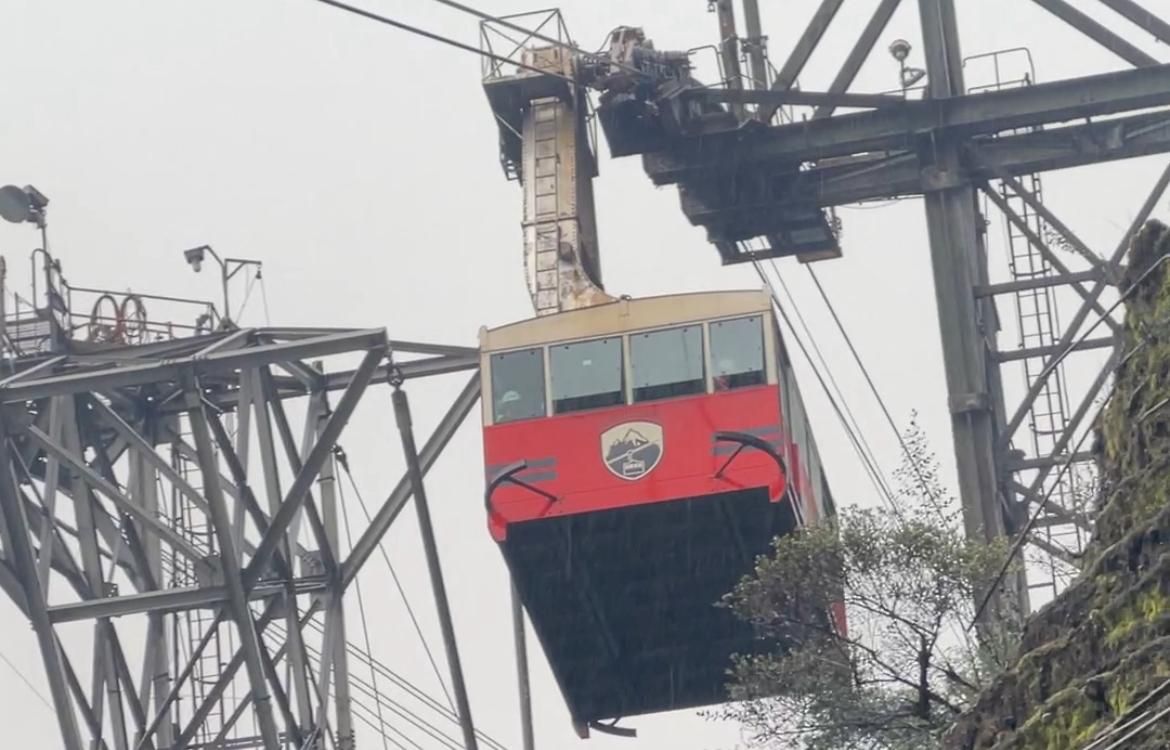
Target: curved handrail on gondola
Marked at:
613, 729
752, 441
508, 475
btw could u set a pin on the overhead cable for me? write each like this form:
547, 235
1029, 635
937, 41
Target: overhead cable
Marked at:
832, 379
344, 463
362, 615
411, 717
440, 38
535, 34
910, 459
870, 469
367, 655
25, 680
405, 685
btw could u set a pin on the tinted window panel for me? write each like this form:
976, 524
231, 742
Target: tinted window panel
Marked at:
586, 375
737, 353
667, 363
517, 385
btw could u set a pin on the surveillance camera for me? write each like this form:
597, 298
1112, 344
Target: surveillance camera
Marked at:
38, 200
900, 49
194, 257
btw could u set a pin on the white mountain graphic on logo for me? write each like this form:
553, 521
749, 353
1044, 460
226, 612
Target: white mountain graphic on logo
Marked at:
636, 452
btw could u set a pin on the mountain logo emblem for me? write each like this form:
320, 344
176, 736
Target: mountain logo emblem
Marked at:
631, 450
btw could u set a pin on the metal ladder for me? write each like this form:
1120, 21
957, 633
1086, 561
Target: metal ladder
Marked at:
1039, 323
1039, 326
546, 189
193, 525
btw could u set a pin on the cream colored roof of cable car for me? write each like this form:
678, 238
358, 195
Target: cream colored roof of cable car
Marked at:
623, 316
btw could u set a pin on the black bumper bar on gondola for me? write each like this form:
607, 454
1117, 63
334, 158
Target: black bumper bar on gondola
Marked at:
752, 441
508, 476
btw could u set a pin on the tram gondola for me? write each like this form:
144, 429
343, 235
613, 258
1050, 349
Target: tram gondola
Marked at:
640, 454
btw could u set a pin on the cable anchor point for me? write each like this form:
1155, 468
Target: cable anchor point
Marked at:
395, 378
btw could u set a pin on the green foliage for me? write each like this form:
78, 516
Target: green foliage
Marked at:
908, 579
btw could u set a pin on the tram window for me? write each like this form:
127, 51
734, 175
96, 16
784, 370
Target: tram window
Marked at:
737, 353
517, 385
587, 375
667, 363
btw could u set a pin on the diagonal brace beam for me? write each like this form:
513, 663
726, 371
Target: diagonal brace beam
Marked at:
1098, 33
1142, 17
860, 53
1038, 242
368, 541
21, 556
798, 58
233, 580
1055, 222
99, 483
1037, 385
323, 448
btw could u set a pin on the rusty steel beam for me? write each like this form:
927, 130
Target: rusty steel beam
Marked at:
912, 124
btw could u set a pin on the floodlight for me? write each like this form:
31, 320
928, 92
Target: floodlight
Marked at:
16, 204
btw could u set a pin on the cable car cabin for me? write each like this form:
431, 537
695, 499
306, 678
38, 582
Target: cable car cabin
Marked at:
639, 455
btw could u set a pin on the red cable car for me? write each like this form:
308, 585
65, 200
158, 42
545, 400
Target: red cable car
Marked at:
640, 454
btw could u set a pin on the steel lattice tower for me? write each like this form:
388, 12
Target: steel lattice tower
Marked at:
784, 152
174, 484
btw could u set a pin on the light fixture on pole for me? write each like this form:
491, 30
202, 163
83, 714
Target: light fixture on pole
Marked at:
907, 76
228, 267
25, 204
19, 205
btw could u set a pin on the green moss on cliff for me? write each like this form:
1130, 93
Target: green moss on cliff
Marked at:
1092, 655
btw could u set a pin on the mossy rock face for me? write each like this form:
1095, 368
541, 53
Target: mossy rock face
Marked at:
1091, 656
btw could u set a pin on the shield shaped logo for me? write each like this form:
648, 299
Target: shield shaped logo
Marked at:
631, 450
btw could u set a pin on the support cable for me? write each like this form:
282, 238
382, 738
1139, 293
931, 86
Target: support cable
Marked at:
367, 655
344, 463
362, 613
870, 469
363, 718
441, 39
247, 296
534, 34
1126, 723
832, 380
25, 680
411, 690
412, 718
934, 499
264, 301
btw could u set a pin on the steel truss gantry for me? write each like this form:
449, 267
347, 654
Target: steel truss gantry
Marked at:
740, 172
180, 495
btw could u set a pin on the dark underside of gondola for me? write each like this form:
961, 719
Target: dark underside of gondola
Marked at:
623, 600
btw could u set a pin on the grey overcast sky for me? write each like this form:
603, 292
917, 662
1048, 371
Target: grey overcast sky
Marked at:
359, 163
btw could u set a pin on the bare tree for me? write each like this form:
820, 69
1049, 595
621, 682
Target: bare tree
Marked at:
903, 665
